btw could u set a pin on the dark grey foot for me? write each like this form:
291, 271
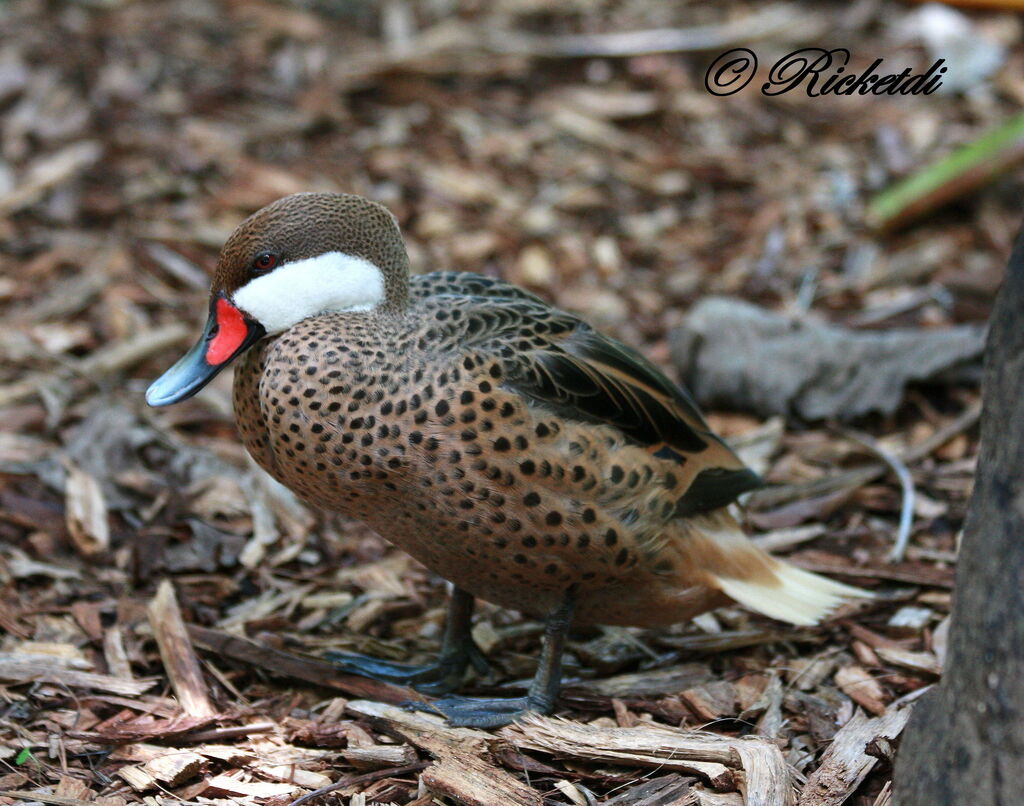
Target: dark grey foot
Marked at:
439, 677
458, 651
473, 712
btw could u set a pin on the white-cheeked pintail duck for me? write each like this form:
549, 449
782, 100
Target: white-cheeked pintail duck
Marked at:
503, 443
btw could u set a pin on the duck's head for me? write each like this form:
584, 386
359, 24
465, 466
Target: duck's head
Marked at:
303, 255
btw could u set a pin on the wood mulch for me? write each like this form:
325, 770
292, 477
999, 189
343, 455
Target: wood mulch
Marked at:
163, 604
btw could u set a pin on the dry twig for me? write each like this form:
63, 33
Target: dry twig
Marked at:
176, 651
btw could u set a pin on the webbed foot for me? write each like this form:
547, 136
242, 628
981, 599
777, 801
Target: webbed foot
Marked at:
458, 651
473, 712
437, 677
479, 712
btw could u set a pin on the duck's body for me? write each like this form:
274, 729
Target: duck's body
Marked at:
504, 444
394, 420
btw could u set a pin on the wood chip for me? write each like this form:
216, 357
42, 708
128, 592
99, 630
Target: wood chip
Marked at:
292, 774
705, 797
714, 758
463, 771
857, 683
915, 661
773, 20
65, 654
52, 800
17, 669
808, 673
72, 788
645, 684
98, 364
379, 756
125, 727
711, 701
665, 790
471, 780
171, 768
179, 658
85, 511
115, 655
570, 791
49, 172
912, 573
912, 618
783, 539
227, 786
845, 764
315, 671
729, 640
230, 732
21, 566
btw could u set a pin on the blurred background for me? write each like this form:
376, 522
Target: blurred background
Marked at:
568, 147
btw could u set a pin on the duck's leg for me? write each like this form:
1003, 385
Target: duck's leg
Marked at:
458, 650
492, 713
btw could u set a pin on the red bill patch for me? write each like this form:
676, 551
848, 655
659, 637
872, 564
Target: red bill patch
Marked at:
231, 332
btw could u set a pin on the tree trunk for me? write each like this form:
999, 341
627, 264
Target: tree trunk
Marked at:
965, 741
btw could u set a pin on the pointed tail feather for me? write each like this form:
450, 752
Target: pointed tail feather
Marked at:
715, 543
798, 596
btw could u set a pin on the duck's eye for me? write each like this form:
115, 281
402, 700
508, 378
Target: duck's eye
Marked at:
264, 261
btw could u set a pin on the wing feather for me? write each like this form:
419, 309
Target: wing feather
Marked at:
585, 375
562, 364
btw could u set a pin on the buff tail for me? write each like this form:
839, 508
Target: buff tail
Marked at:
716, 544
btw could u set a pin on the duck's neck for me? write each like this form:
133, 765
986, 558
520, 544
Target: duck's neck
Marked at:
396, 288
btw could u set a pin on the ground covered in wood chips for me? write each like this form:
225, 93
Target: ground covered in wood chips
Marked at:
135, 135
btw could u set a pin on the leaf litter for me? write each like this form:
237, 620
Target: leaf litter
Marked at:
570, 149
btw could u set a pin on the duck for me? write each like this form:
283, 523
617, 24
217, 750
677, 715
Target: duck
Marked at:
512, 449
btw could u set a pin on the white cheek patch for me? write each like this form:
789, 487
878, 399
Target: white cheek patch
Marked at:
331, 282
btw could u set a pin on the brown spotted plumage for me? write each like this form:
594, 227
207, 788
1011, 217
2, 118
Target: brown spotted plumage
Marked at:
506, 445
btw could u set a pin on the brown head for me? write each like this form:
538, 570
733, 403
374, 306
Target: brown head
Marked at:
303, 255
